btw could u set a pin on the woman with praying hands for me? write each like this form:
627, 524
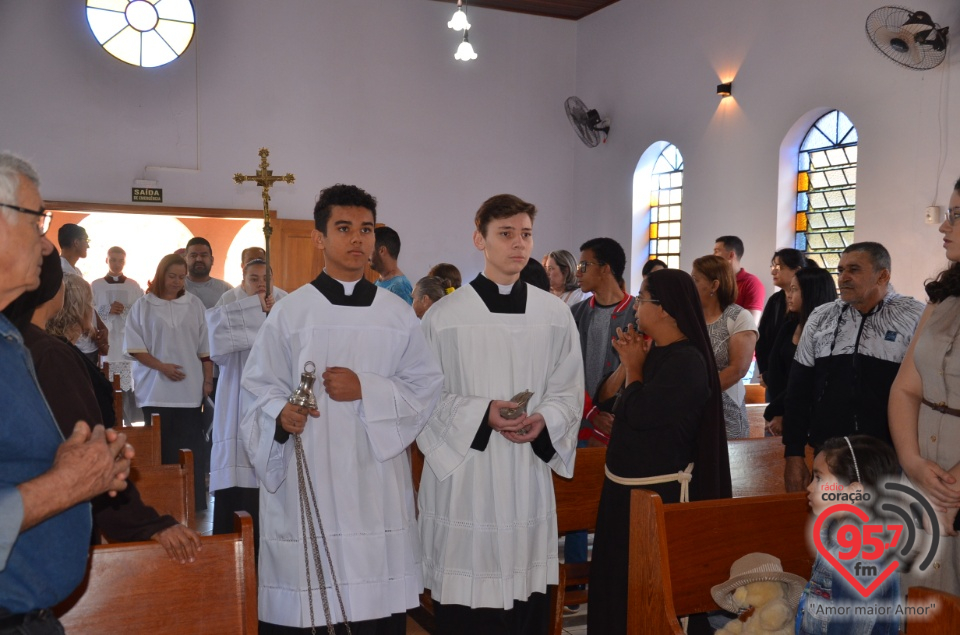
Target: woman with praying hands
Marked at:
733, 334
167, 335
924, 409
669, 426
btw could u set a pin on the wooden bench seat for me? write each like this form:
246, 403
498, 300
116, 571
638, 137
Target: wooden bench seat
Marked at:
136, 588
145, 440
679, 551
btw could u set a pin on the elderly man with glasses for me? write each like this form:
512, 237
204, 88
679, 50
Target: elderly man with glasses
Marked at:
45, 482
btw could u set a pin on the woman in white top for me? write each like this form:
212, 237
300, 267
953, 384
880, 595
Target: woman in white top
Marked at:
733, 334
166, 334
561, 268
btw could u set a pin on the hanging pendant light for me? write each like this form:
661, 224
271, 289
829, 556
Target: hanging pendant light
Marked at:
459, 20
465, 53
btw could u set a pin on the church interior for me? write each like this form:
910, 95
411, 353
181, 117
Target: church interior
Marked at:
369, 93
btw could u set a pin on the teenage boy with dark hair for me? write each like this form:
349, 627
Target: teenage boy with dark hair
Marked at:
380, 383
487, 511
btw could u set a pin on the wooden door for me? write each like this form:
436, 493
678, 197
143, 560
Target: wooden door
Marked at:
296, 260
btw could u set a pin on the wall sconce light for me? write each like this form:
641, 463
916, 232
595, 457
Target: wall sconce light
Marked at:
725, 90
459, 20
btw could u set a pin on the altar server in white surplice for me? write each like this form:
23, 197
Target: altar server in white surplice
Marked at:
380, 382
488, 517
233, 324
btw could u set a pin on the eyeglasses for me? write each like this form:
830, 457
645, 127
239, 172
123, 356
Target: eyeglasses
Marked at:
952, 215
583, 264
774, 268
640, 301
43, 220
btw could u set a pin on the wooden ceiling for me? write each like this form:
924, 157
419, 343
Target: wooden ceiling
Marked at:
565, 9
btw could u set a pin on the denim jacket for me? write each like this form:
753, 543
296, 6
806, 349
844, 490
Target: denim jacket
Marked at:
827, 590
42, 565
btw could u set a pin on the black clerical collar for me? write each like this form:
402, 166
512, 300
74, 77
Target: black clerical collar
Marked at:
115, 280
489, 292
332, 290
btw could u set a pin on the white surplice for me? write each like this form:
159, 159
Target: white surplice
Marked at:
175, 332
232, 325
488, 518
105, 293
356, 451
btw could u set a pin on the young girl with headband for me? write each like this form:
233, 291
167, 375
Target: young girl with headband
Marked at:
849, 470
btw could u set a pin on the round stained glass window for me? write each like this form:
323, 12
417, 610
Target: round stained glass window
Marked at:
142, 32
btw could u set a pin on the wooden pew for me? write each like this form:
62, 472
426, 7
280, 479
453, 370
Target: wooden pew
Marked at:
136, 588
679, 551
755, 394
943, 620
168, 488
578, 499
145, 440
756, 466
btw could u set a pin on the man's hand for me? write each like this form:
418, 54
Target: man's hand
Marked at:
498, 423
94, 462
293, 418
796, 476
342, 384
172, 372
181, 543
603, 421
116, 308
533, 425
775, 426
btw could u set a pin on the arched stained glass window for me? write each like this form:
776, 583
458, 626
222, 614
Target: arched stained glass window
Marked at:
827, 189
666, 203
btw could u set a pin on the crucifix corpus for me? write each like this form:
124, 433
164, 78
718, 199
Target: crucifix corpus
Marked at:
264, 178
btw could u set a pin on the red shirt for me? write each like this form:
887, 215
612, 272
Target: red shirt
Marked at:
750, 291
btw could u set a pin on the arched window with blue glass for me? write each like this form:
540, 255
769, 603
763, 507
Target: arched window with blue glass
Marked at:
827, 189
666, 206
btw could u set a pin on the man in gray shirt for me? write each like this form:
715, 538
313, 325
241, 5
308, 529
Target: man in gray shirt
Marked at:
199, 259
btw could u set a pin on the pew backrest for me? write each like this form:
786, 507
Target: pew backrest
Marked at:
136, 588
756, 466
145, 440
168, 488
679, 551
943, 619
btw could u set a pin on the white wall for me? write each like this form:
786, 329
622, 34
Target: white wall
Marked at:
339, 90
653, 67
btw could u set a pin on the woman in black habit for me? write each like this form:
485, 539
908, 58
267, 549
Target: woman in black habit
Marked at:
668, 423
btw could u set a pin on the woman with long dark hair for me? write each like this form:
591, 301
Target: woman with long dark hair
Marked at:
808, 289
924, 408
783, 267
669, 421
167, 335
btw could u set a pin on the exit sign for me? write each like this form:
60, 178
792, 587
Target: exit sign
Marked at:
147, 195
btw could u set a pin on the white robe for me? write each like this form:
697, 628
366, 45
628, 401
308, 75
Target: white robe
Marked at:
356, 453
175, 332
232, 324
488, 518
104, 295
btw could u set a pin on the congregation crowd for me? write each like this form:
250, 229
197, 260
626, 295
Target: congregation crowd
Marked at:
496, 381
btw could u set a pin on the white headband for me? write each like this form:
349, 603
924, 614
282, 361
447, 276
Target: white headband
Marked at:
855, 468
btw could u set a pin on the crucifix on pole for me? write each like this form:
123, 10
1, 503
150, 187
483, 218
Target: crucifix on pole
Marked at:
264, 178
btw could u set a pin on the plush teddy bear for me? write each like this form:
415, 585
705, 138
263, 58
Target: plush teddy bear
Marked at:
770, 612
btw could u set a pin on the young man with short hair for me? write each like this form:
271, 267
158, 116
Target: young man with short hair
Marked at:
384, 262
487, 511
74, 244
199, 257
379, 384
751, 294
113, 295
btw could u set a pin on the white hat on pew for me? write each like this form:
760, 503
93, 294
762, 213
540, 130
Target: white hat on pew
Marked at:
757, 567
